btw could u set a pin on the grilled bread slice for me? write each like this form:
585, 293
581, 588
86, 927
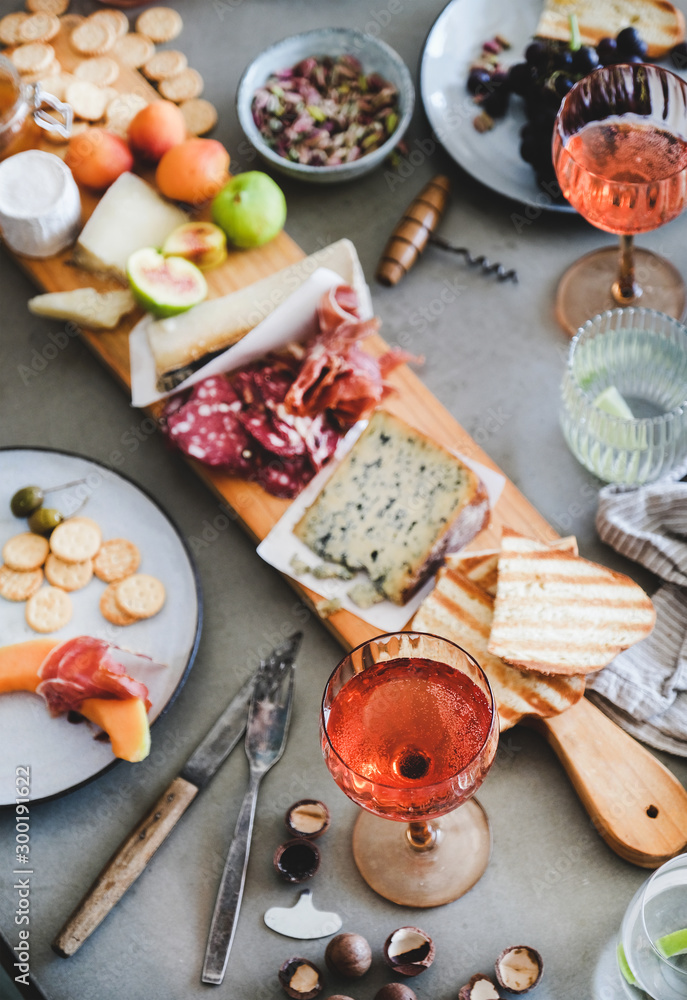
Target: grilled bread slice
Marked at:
659, 23
482, 567
560, 614
460, 610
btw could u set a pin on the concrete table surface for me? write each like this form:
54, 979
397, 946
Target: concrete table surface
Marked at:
494, 357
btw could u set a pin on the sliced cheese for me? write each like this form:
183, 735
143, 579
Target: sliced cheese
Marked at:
215, 325
129, 216
396, 504
85, 306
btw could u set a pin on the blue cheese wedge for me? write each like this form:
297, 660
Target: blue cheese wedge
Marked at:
394, 507
129, 216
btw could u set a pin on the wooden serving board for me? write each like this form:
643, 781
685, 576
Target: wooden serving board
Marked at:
637, 805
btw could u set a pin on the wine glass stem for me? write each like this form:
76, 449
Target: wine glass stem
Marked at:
421, 836
625, 290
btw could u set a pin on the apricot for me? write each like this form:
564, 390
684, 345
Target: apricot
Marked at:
194, 171
97, 158
157, 128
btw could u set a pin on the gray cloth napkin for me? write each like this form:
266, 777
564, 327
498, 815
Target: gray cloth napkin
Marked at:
644, 689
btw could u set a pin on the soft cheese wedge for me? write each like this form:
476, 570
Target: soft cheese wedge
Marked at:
85, 306
130, 215
659, 23
394, 507
181, 344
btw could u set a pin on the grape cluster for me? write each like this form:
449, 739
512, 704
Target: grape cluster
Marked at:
549, 71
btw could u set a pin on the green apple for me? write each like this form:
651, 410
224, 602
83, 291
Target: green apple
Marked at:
251, 209
164, 286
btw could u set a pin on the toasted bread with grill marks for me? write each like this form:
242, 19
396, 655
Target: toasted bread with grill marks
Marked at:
560, 614
660, 24
482, 567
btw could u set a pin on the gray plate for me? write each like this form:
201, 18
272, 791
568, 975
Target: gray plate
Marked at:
64, 756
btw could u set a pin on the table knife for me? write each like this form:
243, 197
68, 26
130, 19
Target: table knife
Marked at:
137, 849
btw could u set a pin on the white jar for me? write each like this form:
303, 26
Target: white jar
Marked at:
40, 205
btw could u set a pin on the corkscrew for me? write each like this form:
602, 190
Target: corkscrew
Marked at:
416, 229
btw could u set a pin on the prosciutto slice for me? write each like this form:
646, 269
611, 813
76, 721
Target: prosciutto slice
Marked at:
336, 375
83, 668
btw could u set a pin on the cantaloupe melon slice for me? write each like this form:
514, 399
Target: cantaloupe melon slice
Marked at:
124, 721
19, 664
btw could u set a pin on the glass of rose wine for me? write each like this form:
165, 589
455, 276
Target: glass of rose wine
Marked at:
409, 730
620, 153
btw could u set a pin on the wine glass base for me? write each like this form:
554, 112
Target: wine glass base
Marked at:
408, 877
585, 288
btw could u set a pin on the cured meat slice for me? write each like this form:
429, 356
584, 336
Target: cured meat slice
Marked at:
212, 433
215, 389
285, 477
82, 668
275, 435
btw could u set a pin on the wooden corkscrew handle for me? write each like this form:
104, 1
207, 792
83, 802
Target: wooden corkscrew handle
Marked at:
411, 235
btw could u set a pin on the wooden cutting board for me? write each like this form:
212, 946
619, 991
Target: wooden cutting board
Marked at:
620, 783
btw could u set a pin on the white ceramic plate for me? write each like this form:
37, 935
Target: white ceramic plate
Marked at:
63, 756
454, 42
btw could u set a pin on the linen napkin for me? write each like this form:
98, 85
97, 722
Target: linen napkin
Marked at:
644, 689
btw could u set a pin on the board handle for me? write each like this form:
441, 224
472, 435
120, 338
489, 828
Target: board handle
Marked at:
125, 866
411, 235
637, 805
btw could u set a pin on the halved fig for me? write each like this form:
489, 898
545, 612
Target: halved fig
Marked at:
164, 286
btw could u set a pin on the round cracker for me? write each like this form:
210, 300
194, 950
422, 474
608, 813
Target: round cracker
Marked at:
116, 18
134, 49
56, 84
93, 37
200, 116
169, 62
161, 24
68, 576
100, 70
25, 552
47, 6
122, 110
9, 27
140, 595
116, 559
39, 28
76, 539
182, 87
111, 611
87, 100
33, 58
15, 586
48, 610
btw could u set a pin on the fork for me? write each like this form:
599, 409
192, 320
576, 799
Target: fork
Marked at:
266, 732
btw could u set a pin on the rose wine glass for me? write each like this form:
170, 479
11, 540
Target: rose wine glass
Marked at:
620, 153
409, 731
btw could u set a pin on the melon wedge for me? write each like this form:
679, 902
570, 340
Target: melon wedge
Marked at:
124, 721
19, 664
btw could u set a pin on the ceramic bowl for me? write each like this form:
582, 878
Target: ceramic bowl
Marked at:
376, 56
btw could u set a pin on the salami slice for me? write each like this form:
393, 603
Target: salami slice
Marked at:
215, 389
273, 434
285, 477
212, 433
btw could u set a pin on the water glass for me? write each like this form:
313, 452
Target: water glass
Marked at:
643, 354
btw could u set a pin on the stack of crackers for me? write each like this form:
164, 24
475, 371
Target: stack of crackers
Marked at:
104, 42
536, 607
68, 561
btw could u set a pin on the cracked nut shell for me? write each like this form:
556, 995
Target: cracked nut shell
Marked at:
519, 968
395, 991
479, 988
409, 951
300, 979
348, 955
297, 860
307, 818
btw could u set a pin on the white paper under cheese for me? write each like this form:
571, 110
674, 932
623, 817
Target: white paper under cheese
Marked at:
40, 205
129, 216
216, 324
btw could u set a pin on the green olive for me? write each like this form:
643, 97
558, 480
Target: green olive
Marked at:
26, 500
43, 521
